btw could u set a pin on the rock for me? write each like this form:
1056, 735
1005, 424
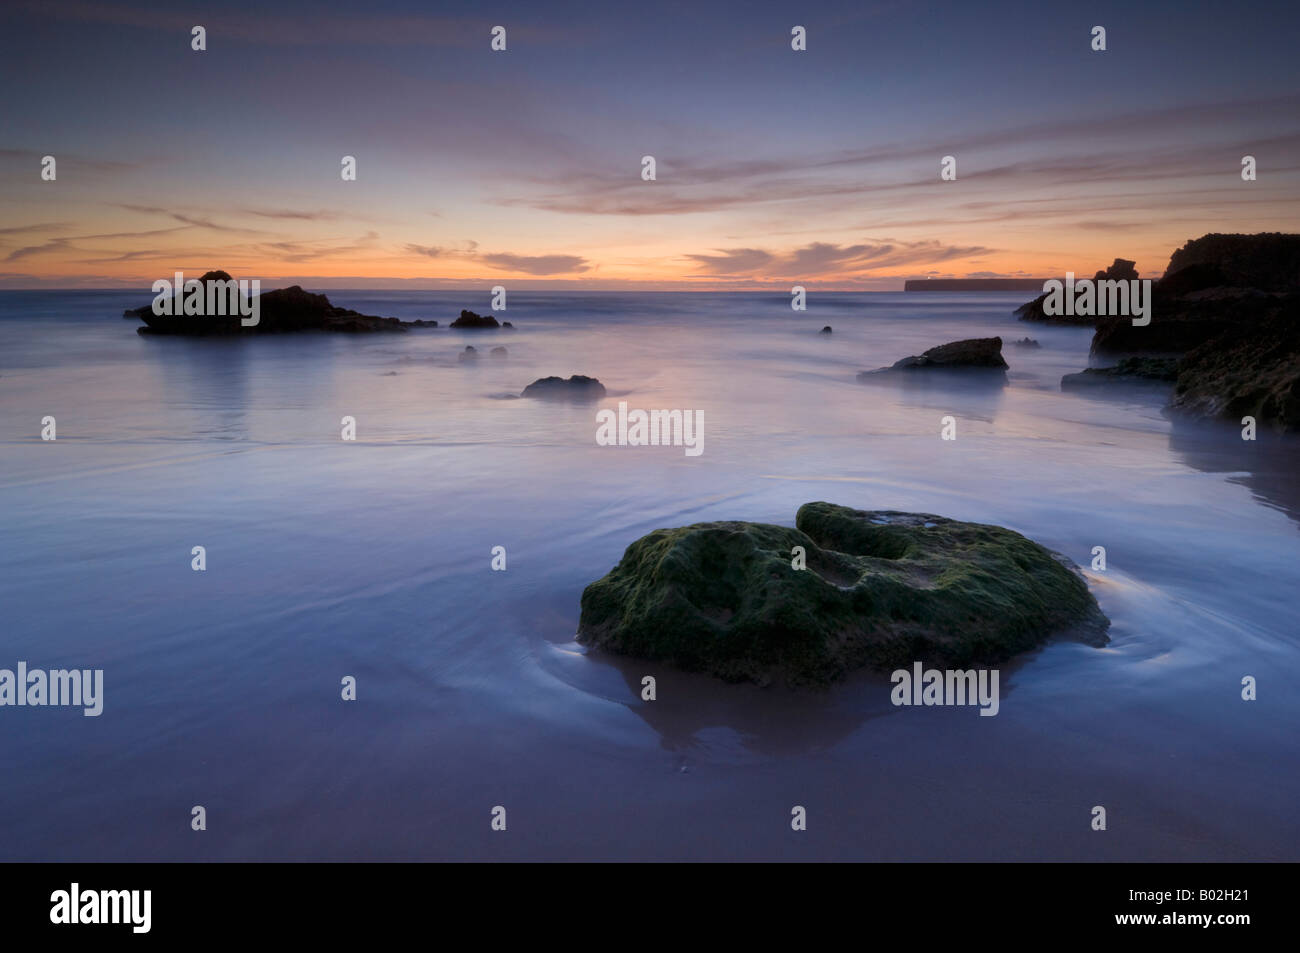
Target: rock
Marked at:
576, 387
507, 324
1268, 261
1133, 369
1249, 370
283, 311
469, 354
1181, 324
1120, 270
826, 330
421, 323
1026, 342
881, 589
1230, 305
1212, 283
499, 352
972, 353
1033, 311
468, 319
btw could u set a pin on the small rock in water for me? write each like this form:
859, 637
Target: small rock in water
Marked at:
576, 387
826, 330
983, 353
468, 319
469, 354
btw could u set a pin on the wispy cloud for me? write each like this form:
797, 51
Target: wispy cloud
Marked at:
1135, 147
537, 264
292, 215
31, 229
821, 258
54, 244
507, 261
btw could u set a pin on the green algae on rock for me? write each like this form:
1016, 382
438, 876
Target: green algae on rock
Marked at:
880, 589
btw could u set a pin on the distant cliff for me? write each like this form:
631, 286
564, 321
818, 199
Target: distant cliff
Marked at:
975, 284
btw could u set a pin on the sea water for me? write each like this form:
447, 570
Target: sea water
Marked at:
372, 559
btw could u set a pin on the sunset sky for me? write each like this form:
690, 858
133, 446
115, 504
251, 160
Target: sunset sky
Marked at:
523, 168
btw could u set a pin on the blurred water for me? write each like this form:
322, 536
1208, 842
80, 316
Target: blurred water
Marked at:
328, 558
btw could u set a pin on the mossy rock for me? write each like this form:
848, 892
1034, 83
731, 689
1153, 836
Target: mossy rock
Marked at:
882, 589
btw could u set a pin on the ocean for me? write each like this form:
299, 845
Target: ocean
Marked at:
371, 558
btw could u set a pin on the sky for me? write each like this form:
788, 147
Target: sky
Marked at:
523, 167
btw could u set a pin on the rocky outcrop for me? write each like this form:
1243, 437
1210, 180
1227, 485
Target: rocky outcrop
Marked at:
1026, 342
1212, 283
577, 388
985, 353
1132, 369
1227, 309
880, 589
826, 330
283, 311
1251, 370
1267, 261
468, 319
1179, 324
1120, 270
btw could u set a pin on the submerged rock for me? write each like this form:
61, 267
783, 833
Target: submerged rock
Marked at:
469, 354
826, 330
881, 589
576, 387
1026, 342
973, 352
468, 319
499, 352
1133, 369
